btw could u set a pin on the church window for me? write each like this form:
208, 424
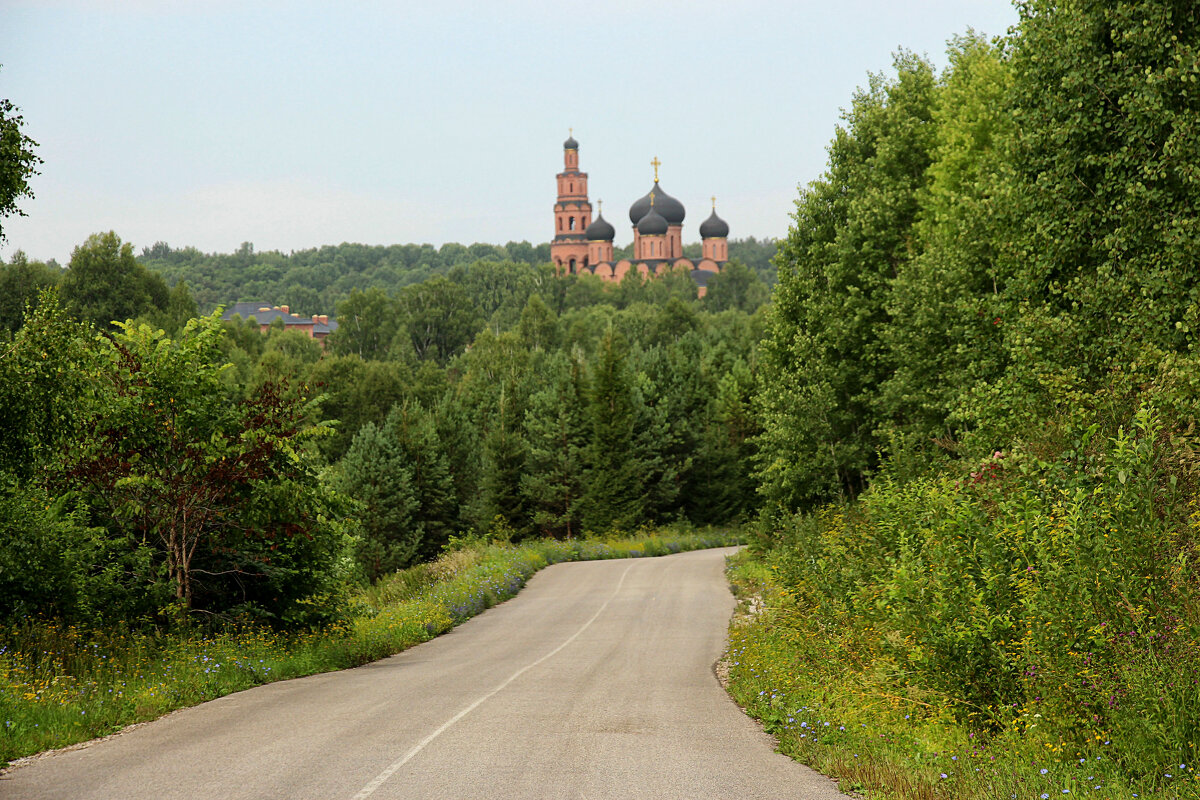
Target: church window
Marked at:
572, 266
571, 224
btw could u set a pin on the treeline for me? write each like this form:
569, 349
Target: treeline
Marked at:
985, 328
314, 281
174, 468
102, 283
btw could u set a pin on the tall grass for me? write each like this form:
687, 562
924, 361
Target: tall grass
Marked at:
60, 684
1029, 628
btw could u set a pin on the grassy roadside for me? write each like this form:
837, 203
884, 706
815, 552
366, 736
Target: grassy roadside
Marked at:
838, 703
61, 685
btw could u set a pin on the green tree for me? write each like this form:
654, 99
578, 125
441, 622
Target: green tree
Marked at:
1102, 205
505, 456
735, 286
374, 473
21, 281
180, 308
613, 495
945, 312
721, 485
538, 327
557, 431
458, 432
53, 565
104, 283
221, 490
497, 289
356, 392
440, 317
18, 162
757, 254
824, 360
412, 428
47, 385
367, 324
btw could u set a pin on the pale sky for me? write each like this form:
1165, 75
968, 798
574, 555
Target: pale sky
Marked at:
297, 124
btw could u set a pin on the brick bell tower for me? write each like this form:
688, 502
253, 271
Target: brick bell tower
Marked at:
572, 214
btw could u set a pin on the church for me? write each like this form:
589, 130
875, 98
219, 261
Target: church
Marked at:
583, 244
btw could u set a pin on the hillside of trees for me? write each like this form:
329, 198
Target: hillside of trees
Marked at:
315, 281
979, 391
177, 465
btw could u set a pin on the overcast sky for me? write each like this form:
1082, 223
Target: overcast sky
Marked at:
292, 125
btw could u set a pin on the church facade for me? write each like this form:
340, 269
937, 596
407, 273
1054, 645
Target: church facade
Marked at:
585, 244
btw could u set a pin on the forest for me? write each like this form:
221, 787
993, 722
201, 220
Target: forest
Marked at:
175, 464
978, 400
955, 410
315, 281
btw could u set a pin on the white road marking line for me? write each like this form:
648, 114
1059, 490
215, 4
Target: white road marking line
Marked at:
379, 779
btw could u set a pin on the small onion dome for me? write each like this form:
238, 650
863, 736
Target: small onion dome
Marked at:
667, 206
714, 227
600, 230
653, 224
570, 144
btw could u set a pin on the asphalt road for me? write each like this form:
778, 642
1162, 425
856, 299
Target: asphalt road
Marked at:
596, 681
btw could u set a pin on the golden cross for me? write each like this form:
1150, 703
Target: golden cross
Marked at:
600, 206
570, 131
652, 195
655, 163
714, 199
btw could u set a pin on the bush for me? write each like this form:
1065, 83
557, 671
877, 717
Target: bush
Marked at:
1051, 592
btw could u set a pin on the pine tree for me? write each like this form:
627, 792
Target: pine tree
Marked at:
722, 486
436, 516
614, 496
459, 436
663, 446
557, 431
505, 453
374, 473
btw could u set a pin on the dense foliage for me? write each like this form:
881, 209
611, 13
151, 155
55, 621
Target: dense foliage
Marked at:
18, 161
157, 466
315, 281
978, 386
139, 487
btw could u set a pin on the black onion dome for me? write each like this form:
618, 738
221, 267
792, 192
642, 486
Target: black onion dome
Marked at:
671, 209
570, 144
600, 230
654, 223
714, 227
640, 208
